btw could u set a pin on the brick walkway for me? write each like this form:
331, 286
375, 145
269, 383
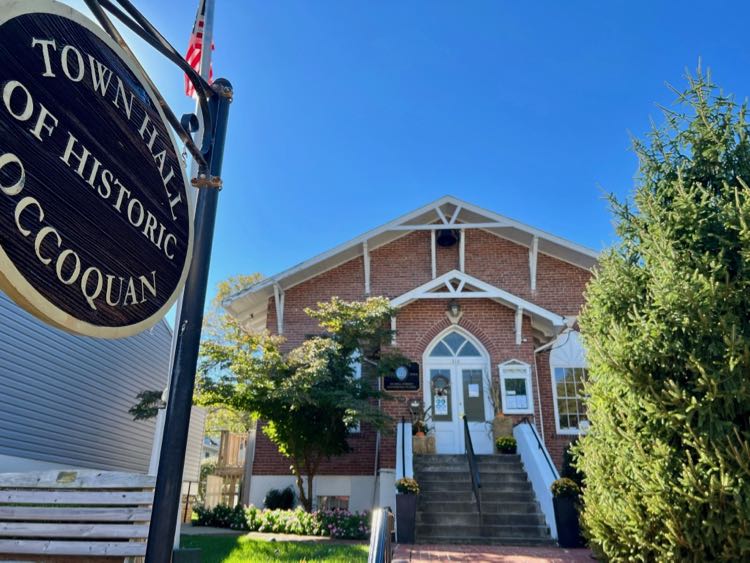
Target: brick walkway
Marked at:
490, 554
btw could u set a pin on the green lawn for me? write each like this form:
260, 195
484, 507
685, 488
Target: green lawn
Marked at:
236, 549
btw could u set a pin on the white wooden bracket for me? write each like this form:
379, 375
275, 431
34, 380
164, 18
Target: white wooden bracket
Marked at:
533, 252
441, 215
519, 326
366, 259
455, 215
433, 254
393, 330
462, 250
278, 295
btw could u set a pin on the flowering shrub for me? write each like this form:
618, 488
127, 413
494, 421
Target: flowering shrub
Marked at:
221, 516
345, 524
295, 521
336, 523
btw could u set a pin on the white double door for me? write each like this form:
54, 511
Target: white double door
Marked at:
453, 388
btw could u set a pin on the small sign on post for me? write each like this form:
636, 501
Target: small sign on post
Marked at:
95, 229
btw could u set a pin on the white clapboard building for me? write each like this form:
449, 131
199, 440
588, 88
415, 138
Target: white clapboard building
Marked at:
64, 399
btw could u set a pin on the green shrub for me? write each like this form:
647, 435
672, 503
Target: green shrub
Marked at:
667, 335
565, 487
280, 499
221, 516
506, 445
407, 486
335, 523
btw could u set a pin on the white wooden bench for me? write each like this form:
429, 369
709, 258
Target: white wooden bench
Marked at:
59, 515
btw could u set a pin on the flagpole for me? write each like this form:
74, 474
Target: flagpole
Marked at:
205, 72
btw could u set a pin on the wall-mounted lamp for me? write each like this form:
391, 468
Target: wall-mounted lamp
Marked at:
415, 408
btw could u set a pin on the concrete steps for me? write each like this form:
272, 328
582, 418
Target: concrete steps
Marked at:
447, 510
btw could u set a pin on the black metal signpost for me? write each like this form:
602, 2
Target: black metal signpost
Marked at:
86, 117
172, 459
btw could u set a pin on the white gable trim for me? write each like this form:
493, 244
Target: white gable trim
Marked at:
249, 306
453, 285
406, 223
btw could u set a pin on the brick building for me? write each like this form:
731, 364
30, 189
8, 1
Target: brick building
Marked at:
480, 298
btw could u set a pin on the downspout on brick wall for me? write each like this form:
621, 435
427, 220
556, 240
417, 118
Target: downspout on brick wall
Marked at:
538, 391
249, 459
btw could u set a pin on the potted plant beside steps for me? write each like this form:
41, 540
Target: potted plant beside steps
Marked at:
406, 509
506, 445
565, 498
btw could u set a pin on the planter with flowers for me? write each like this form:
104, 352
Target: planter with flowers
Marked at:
406, 509
506, 445
565, 499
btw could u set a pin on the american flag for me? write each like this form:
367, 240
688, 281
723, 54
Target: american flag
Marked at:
195, 49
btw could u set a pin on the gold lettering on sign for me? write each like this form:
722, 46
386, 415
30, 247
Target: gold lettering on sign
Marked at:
68, 266
99, 77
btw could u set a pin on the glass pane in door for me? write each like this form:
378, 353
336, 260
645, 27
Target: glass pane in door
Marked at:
473, 388
440, 390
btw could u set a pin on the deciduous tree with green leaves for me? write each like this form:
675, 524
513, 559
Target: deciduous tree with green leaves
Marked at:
214, 322
308, 397
667, 332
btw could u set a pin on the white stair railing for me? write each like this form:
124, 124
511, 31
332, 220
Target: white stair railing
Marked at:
539, 467
404, 455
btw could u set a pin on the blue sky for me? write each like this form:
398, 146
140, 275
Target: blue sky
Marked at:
350, 113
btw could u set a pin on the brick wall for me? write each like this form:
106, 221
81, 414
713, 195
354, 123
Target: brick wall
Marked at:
401, 266
360, 461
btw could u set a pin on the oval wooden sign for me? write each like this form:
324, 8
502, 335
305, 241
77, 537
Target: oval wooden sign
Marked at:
95, 227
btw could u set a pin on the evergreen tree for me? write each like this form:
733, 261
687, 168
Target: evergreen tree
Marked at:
667, 331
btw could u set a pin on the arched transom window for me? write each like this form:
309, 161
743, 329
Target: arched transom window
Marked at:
455, 345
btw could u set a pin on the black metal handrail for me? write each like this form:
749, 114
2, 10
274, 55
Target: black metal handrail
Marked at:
380, 536
539, 445
476, 483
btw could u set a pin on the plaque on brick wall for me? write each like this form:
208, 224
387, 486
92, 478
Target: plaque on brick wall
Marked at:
95, 229
405, 378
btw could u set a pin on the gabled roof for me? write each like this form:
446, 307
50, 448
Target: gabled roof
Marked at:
249, 306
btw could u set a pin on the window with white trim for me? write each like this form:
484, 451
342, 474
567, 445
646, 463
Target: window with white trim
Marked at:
333, 502
515, 387
568, 369
570, 408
